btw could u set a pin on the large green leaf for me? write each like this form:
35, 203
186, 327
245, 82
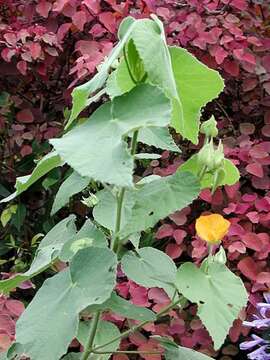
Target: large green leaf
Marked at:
47, 252
175, 352
71, 186
46, 164
89, 235
81, 93
106, 332
160, 198
231, 173
49, 323
150, 267
101, 137
219, 293
149, 203
196, 85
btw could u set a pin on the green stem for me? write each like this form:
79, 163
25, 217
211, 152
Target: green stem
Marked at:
120, 199
115, 243
134, 142
89, 345
137, 327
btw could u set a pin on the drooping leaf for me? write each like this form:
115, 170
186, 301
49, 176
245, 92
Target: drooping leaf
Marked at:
158, 137
196, 86
49, 323
81, 93
46, 164
101, 137
47, 252
89, 235
150, 43
231, 173
71, 186
175, 352
150, 267
218, 304
106, 331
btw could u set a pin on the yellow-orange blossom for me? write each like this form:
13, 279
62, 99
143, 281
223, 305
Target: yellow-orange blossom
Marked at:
212, 228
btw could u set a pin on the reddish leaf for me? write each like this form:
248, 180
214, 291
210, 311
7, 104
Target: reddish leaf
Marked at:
252, 241
43, 8
35, 50
108, 20
26, 150
231, 67
263, 277
173, 250
249, 268
179, 236
11, 38
165, 230
7, 54
25, 116
255, 169
93, 5
79, 19
15, 307
22, 67
5, 342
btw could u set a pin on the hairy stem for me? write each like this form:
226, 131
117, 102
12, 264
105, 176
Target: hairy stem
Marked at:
93, 329
139, 326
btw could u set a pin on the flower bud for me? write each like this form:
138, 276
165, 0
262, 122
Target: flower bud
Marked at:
209, 128
206, 155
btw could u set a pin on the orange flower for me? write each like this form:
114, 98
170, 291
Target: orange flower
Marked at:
212, 228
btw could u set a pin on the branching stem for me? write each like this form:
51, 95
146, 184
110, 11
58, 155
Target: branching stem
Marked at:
93, 329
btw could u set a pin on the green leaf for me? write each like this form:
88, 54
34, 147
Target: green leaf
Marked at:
81, 93
106, 331
159, 137
89, 235
101, 137
149, 203
124, 308
105, 210
47, 252
196, 86
74, 184
158, 199
46, 164
218, 305
19, 216
175, 352
231, 173
50, 322
150, 43
150, 267
7, 214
